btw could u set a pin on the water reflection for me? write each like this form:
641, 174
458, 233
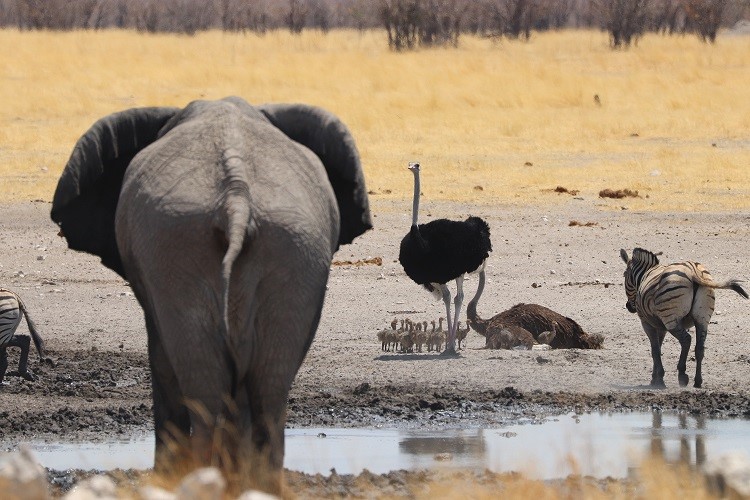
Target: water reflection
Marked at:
599, 445
466, 444
691, 430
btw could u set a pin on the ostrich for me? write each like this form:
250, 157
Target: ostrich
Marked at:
443, 250
543, 324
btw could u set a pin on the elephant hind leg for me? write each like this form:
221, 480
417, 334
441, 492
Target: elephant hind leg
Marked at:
171, 419
263, 445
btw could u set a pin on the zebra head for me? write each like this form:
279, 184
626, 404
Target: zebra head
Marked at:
636, 267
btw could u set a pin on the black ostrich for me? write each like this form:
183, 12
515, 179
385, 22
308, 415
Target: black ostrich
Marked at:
443, 250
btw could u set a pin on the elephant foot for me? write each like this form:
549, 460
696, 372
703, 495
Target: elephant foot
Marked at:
683, 378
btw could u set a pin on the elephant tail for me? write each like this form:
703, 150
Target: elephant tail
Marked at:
237, 225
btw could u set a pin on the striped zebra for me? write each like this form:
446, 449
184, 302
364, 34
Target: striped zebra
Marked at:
11, 309
672, 298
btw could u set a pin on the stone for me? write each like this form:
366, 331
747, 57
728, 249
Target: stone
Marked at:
202, 484
256, 495
21, 476
94, 488
155, 493
728, 475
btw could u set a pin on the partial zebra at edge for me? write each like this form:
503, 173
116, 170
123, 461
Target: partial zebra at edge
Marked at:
11, 310
672, 298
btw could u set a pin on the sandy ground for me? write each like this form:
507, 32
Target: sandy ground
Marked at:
100, 386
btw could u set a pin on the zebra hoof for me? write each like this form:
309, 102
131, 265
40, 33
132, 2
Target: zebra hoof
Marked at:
683, 378
698, 384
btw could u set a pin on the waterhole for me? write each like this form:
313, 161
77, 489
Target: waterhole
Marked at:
599, 445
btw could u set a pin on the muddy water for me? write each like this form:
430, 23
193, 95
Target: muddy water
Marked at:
593, 444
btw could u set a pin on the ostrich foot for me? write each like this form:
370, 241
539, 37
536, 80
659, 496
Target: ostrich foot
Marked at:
450, 353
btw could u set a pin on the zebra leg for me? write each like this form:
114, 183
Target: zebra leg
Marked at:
684, 337
23, 360
703, 308
655, 337
700, 340
3, 363
23, 342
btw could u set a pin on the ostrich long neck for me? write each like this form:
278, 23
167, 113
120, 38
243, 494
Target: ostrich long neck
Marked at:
415, 216
477, 323
415, 204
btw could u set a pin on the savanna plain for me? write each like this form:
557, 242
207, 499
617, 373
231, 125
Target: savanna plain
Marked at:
525, 135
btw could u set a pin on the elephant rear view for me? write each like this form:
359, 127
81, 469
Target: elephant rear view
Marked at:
224, 218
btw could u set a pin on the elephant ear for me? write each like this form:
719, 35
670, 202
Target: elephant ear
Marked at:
87, 193
327, 136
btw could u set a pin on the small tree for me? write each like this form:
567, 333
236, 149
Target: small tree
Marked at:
440, 22
296, 16
705, 16
401, 19
625, 20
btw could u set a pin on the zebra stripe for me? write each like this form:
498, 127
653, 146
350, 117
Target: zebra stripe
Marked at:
663, 294
10, 315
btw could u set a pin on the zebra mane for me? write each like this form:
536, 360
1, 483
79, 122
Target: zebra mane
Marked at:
641, 255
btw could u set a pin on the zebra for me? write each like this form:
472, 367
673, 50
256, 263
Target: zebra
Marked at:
672, 298
11, 309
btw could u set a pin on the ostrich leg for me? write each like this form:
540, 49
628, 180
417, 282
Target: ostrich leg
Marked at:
447, 301
453, 329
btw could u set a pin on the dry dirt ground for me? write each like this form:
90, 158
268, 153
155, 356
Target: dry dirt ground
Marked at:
99, 386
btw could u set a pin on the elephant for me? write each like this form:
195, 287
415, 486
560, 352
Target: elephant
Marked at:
224, 218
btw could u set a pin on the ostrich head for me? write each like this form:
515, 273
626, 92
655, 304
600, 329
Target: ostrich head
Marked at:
414, 167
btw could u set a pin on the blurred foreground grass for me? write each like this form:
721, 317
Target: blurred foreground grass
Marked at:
490, 122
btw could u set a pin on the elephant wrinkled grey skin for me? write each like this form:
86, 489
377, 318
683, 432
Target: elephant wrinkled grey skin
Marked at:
224, 218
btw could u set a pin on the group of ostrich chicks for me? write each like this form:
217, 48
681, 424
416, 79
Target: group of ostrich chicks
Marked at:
414, 336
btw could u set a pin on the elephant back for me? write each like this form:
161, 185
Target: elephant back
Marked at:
327, 136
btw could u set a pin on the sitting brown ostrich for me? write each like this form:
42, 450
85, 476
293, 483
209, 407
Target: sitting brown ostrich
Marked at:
513, 337
534, 319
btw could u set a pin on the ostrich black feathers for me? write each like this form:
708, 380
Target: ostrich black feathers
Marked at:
442, 250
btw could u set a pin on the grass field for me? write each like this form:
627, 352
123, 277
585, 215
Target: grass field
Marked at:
517, 119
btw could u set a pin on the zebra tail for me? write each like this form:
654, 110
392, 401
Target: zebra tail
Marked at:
733, 284
38, 341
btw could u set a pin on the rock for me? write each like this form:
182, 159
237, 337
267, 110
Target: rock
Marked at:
728, 475
94, 488
256, 495
154, 493
21, 476
202, 484
541, 347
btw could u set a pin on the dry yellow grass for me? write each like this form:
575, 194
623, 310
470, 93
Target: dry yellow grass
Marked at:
674, 119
